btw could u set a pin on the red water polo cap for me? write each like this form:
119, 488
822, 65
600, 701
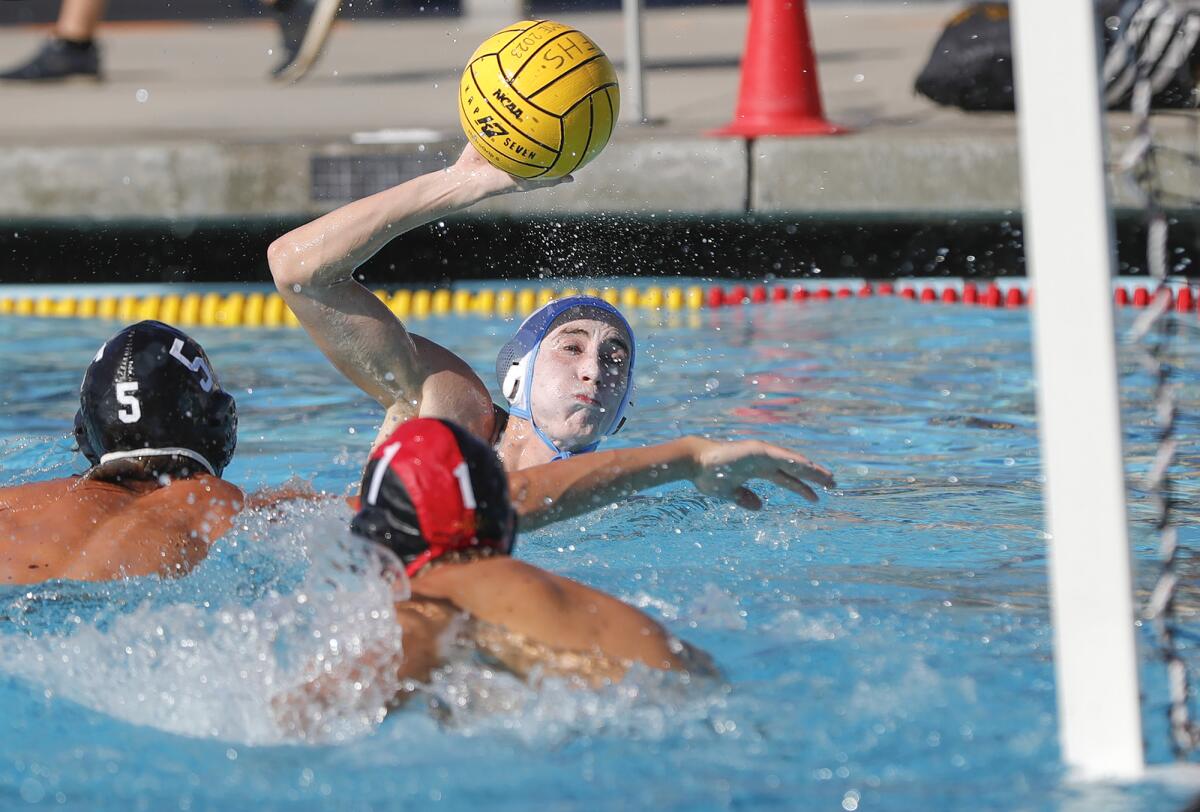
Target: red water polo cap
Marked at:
431, 488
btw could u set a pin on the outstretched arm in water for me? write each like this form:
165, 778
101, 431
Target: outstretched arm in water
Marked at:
559, 490
313, 269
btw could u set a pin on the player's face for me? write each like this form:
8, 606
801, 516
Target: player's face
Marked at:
579, 380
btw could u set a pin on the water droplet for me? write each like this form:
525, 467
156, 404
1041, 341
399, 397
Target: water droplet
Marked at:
32, 791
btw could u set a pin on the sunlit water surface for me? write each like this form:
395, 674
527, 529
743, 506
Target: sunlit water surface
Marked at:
886, 649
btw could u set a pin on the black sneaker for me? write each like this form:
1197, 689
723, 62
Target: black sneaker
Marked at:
58, 60
304, 27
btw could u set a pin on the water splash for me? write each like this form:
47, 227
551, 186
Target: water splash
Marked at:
650, 705
284, 597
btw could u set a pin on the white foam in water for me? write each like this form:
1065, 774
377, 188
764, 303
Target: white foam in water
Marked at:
647, 704
804, 626
216, 667
714, 608
919, 686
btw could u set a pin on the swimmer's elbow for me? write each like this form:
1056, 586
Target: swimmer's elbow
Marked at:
285, 271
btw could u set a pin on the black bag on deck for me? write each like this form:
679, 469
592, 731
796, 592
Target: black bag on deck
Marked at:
971, 64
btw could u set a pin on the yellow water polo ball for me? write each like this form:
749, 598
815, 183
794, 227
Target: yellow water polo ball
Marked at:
539, 99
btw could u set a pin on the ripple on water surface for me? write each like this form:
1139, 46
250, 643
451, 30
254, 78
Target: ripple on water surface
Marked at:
889, 648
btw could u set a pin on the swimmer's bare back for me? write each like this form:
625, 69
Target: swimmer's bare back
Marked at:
524, 618
90, 529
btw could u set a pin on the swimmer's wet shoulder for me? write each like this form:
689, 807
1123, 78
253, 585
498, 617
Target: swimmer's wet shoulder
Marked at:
90, 529
165, 532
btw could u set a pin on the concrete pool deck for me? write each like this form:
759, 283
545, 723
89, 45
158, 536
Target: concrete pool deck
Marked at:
187, 127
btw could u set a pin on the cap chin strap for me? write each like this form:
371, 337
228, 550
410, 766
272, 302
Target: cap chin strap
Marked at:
113, 456
559, 454
428, 556
418, 563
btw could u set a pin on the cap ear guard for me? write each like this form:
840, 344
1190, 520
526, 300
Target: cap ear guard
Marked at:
81, 440
390, 520
224, 420
513, 386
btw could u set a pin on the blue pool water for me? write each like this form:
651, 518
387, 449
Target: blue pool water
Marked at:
886, 649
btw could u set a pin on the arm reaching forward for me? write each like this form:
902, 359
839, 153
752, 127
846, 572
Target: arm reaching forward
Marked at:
313, 269
559, 490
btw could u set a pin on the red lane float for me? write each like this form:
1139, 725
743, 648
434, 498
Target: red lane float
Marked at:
1004, 294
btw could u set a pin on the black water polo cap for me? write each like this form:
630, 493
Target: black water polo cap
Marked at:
151, 392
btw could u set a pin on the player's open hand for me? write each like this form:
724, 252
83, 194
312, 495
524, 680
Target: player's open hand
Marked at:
491, 181
724, 468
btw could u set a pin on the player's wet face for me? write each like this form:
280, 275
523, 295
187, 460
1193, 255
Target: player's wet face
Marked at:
579, 381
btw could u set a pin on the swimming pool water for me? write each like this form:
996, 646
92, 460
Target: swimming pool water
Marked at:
886, 649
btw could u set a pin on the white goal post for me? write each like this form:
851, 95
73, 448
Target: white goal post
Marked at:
1069, 258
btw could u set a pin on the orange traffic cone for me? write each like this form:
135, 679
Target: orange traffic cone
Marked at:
778, 94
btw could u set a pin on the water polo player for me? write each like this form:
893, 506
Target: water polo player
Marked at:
158, 431
437, 498
567, 373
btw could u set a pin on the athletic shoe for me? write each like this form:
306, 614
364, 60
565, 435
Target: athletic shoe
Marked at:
56, 61
304, 27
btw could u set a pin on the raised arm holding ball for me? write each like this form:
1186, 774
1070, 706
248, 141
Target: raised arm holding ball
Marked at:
407, 374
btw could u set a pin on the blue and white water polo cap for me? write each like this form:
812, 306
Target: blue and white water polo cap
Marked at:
514, 364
